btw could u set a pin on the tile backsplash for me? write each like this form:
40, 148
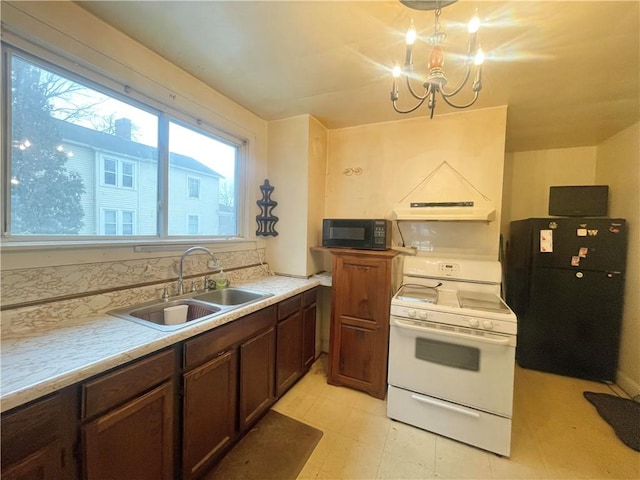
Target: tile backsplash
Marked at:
83, 290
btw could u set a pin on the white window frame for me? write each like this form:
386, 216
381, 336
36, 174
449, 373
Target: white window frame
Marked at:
197, 182
119, 221
119, 172
94, 77
188, 225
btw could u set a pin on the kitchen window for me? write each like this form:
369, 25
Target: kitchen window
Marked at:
85, 161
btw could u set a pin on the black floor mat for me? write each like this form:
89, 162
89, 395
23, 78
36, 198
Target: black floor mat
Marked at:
622, 414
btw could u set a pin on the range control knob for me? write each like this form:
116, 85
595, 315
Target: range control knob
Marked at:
487, 324
474, 323
411, 313
423, 315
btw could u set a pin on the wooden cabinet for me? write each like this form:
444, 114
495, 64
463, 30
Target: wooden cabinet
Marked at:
309, 302
129, 421
227, 384
359, 339
209, 412
257, 367
38, 439
289, 344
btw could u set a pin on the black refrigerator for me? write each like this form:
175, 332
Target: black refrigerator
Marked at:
565, 283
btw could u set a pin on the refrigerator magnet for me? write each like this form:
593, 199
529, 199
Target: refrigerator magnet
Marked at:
583, 252
575, 261
581, 232
546, 241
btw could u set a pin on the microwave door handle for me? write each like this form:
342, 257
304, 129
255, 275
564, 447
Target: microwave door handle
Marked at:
493, 341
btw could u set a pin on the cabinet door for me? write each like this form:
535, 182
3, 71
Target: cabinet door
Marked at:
257, 357
359, 347
133, 441
289, 352
209, 406
308, 336
38, 439
41, 465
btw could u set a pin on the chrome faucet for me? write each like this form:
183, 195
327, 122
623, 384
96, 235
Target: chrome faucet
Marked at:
187, 252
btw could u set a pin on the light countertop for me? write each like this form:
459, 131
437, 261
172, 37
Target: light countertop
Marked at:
41, 362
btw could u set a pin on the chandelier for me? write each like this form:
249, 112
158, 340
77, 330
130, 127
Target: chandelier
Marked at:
436, 79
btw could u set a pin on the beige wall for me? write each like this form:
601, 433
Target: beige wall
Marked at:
297, 164
618, 165
395, 157
532, 173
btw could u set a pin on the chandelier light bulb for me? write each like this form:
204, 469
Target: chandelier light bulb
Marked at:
474, 24
396, 71
411, 34
478, 59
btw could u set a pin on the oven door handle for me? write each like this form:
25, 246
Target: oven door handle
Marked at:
476, 338
446, 406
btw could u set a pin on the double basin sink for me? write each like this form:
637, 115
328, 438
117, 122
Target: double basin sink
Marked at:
201, 306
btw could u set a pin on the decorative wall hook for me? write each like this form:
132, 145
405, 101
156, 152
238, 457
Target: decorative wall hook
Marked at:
352, 171
266, 221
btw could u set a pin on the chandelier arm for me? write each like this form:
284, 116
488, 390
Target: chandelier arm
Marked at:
460, 85
475, 97
414, 94
413, 109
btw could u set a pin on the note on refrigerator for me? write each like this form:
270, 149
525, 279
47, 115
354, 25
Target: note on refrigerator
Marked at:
546, 241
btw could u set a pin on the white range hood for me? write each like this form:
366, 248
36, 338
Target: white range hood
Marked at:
445, 211
444, 195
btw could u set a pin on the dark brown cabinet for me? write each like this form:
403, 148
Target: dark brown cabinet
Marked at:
227, 385
359, 339
289, 343
257, 359
38, 439
309, 302
128, 428
209, 410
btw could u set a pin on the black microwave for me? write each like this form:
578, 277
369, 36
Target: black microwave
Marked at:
361, 233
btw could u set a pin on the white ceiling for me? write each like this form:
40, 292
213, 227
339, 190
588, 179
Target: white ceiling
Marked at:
568, 70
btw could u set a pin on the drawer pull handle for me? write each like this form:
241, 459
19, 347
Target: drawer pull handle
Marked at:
446, 406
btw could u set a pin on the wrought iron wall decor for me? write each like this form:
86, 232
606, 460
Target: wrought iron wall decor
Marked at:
266, 221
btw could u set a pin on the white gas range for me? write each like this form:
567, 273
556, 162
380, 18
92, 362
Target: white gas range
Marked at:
452, 351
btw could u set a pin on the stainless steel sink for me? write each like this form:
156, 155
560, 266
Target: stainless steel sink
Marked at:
231, 296
201, 306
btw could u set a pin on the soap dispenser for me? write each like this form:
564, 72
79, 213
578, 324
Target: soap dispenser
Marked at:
221, 279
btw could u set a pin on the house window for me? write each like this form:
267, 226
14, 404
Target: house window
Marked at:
82, 148
118, 222
193, 224
118, 173
110, 222
194, 187
110, 172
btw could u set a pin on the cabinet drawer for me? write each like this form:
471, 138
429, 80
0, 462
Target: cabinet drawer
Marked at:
209, 344
289, 306
309, 297
114, 388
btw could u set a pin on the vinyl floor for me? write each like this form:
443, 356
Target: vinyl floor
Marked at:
557, 434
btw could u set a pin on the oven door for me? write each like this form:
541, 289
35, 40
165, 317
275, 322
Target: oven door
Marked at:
473, 368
